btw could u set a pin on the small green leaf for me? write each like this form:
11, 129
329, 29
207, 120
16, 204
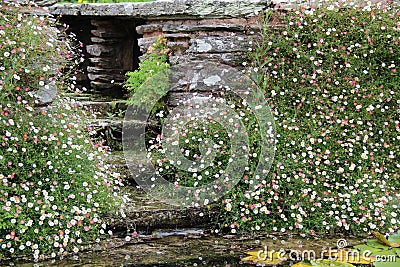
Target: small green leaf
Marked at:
394, 238
376, 244
387, 263
382, 239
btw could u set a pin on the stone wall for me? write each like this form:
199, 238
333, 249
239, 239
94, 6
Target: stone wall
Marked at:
111, 53
225, 40
196, 30
110, 48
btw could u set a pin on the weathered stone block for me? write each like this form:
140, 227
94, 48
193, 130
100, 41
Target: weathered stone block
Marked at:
190, 26
197, 28
203, 77
145, 43
178, 45
106, 77
221, 44
142, 29
232, 59
45, 2
102, 70
99, 50
105, 62
103, 41
168, 9
107, 33
46, 94
101, 85
176, 35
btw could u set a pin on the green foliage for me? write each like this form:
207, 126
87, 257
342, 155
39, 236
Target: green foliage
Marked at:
151, 81
331, 78
54, 185
202, 132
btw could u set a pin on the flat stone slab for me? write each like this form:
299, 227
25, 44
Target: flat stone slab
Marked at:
167, 9
145, 214
189, 28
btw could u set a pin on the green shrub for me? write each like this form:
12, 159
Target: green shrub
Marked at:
54, 185
331, 78
144, 85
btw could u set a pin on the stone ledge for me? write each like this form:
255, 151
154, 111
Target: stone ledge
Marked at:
189, 28
167, 9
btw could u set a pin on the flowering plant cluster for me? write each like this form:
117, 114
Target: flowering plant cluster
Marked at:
150, 81
331, 77
198, 147
54, 185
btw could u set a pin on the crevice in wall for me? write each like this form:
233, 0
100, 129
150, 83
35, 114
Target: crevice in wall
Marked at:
81, 27
110, 48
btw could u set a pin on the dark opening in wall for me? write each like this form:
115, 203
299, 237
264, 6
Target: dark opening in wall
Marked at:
81, 27
111, 49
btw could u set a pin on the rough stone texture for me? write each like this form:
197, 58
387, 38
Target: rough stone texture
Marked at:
145, 43
106, 77
146, 214
221, 40
99, 50
170, 218
142, 29
225, 39
105, 33
46, 94
198, 80
102, 40
189, 28
107, 70
211, 44
103, 62
204, 27
167, 9
102, 86
111, 48
45, 2
231, 59
206, 30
